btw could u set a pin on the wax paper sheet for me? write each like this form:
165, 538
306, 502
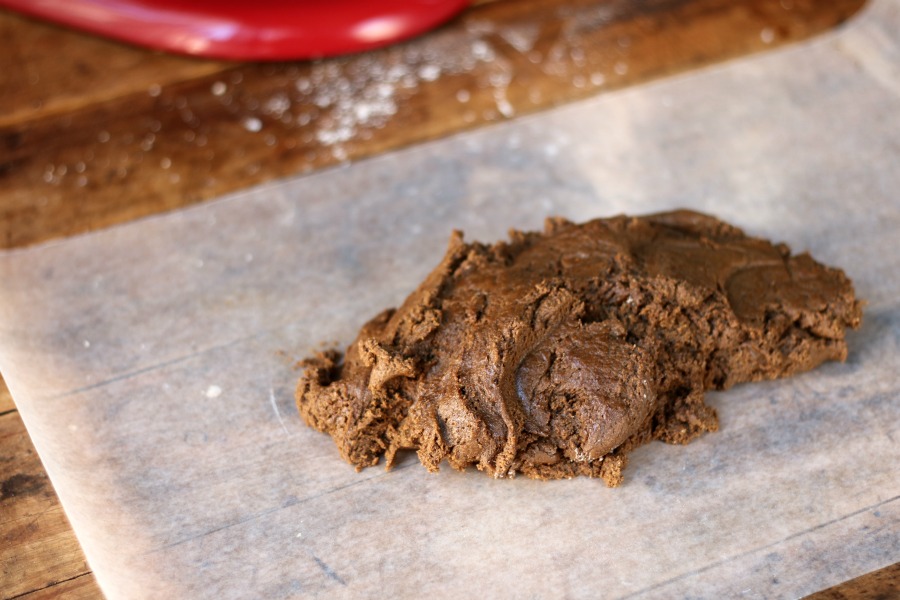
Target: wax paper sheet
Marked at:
153, 362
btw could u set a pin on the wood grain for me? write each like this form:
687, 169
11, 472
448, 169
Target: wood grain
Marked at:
156, 133
50, 71
38, 548
25, 490
883, 584
81, 587
6, 401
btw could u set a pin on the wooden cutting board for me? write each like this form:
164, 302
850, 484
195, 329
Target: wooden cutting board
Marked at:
95, 133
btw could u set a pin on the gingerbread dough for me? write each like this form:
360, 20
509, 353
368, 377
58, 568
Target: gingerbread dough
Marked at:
554, 354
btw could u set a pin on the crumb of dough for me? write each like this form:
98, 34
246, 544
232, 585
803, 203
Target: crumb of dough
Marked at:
556, 353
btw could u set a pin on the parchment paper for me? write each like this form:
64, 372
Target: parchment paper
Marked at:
151, 362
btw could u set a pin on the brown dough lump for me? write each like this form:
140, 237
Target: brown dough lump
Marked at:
554, 354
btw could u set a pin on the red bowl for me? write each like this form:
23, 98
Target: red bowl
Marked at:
248, 29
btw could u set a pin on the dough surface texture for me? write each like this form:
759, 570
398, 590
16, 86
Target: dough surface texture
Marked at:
555, 353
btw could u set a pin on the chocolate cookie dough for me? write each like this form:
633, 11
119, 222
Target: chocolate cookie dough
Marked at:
554, 354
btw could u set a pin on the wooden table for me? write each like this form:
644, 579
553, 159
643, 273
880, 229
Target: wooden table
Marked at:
93, 133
